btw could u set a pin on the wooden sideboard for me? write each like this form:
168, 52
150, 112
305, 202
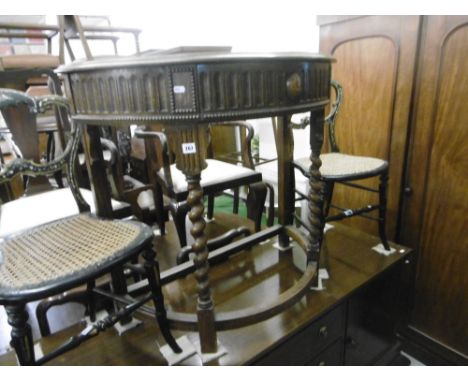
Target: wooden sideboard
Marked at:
406, 84
352, 321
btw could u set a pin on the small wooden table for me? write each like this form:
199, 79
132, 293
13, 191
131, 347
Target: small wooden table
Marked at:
185, 91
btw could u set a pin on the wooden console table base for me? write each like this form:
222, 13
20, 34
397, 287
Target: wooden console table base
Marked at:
185, 91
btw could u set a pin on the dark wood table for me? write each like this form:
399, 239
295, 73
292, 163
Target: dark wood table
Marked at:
184, 92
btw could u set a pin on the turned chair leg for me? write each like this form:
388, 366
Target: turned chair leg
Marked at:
21, 335
383, 209
235, 201
256, 203
152, 273
179, 212
91, 300
210, 209
327, 197
159, 206
271, 207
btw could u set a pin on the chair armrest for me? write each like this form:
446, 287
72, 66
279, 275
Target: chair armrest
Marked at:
159, 152
109, 145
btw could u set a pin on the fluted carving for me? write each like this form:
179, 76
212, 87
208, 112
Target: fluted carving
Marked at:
211, 91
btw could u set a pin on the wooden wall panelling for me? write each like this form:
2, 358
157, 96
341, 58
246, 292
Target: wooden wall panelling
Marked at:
376, 57
435, 216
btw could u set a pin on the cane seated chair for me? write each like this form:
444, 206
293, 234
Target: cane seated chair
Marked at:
343, 168
60, 255
218, 176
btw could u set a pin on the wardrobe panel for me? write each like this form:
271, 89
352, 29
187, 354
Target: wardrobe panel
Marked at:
438, 210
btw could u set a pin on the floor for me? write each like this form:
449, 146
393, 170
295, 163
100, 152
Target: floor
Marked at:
414, 361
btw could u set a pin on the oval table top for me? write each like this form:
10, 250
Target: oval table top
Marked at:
196, 86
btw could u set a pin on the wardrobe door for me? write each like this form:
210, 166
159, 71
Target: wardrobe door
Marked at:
435, 213
375, 64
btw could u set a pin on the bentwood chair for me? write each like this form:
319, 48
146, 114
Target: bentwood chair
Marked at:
343, 168
54, 257
219, 176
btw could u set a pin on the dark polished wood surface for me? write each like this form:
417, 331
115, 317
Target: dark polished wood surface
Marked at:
250, 277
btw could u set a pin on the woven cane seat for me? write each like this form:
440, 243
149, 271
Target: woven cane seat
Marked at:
337, 165
65, 253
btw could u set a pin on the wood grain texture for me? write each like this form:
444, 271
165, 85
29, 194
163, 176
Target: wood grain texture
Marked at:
248, 278
435, 216
375, 64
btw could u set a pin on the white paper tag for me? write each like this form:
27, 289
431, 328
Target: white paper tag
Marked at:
189, 148
179, 89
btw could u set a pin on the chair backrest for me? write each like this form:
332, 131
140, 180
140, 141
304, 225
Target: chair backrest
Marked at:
71, 27
157, 156
330, 119
160, 154
19, 109
231, 142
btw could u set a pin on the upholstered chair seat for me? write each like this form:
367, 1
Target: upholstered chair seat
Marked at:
216, 172
31, 211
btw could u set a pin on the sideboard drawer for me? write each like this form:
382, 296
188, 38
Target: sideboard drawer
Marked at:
304, 346
331, 356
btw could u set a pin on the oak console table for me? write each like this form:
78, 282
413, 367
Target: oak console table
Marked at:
185, 91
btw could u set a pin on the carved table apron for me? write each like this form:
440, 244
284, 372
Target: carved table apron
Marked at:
185, 91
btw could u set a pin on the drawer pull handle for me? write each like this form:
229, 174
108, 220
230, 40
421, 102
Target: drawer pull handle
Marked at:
323, 332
